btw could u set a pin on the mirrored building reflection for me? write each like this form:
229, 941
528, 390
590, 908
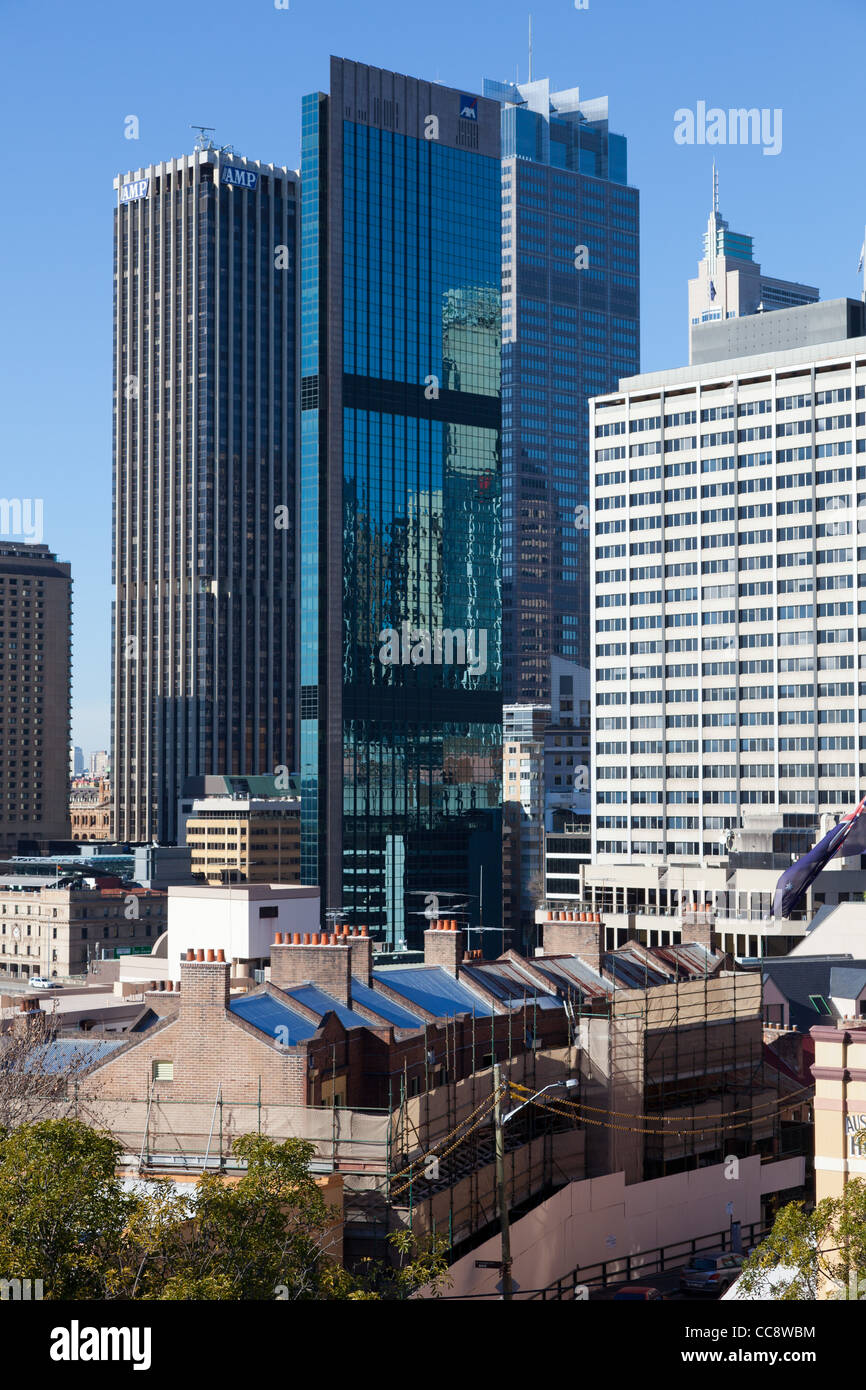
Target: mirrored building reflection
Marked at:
401, 627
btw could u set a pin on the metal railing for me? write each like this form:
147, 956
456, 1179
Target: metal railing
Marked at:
658, 1260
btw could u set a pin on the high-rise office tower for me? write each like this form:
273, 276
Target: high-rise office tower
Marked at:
35, 636
731, 285
204, 479
401, 704
728, 571
98, 763
570, 329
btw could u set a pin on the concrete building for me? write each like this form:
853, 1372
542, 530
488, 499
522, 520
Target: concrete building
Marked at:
731, 285
523, 741
35, 644
56, 932
98, 764
242, 829
567, 793
570, 328
546, 797
205, 521
242, 922
829, 321
726, 573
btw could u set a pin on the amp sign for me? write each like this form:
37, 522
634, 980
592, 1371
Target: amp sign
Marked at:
239, 178
132, 192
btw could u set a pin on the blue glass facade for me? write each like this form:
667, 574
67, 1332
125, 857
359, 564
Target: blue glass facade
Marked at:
571, 328
401, 504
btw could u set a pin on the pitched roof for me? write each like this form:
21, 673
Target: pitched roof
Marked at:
273, 1017
431, 987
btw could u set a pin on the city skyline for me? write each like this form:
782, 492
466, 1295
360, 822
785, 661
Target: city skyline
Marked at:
67, 449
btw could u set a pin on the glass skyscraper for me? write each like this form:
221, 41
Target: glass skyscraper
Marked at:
401, 627
570, 329
204, 480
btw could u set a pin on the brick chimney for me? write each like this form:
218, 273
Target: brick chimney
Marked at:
324, 959
361, 946
580, 934
31, 1021
204, 977
698, 924
444, 944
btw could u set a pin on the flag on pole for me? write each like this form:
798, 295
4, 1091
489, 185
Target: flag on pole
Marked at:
845, 839
862, 254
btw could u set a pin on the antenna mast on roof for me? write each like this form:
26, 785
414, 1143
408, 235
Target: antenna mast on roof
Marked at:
204, 141
530, 48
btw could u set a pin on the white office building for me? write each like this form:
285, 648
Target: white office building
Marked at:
729, 608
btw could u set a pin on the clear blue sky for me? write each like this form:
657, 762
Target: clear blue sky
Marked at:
73, 72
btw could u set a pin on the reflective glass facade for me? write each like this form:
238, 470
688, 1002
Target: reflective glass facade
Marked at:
571, 328
401, 501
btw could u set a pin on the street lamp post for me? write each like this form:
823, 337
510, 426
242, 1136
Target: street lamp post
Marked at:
501, 1196
499, 1122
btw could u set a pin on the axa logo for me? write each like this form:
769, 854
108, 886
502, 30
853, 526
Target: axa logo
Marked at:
77, 1343
468, 108
239, 178
131, 192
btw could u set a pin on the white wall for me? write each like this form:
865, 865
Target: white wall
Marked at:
601, 1219
216, 918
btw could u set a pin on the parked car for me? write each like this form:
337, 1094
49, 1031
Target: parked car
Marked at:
637, 1293
41, 982
711, 1272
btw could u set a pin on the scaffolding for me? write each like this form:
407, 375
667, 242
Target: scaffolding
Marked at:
669, 1076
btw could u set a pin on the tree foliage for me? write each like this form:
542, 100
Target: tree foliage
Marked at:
66, 1218
818, 1254
35, 1083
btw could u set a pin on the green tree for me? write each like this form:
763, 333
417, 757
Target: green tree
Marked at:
66, 1219
822, 1252
62, 1210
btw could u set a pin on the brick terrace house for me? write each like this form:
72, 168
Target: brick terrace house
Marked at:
327, 1029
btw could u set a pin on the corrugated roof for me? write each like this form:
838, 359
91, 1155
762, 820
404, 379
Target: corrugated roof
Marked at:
72, 1053
272, 1017
433, 989
572, 975
322, 1003
385, 1007
509, 985
690, 959
634, 970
